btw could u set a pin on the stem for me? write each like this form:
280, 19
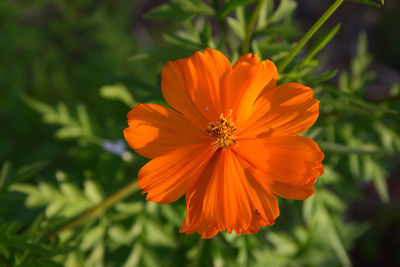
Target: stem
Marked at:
96, 210
309, 34
250, 26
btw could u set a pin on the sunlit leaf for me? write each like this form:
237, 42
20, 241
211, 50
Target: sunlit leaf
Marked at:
285, 8
118, 92
157, 234
236, 27
338, 246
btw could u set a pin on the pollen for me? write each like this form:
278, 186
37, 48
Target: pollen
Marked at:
222, 131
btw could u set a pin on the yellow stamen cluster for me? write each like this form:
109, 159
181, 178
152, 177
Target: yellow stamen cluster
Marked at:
222, 131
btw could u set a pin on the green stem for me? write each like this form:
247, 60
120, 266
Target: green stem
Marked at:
250, 26
309, 34
98, 209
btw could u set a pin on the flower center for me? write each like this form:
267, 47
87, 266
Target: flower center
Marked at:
222, 131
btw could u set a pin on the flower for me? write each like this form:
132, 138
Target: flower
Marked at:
228, 143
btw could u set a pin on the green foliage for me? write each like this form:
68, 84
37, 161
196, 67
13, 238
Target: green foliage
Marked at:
369, 2
180, 9
118, 92
79, 127
232, 5
22, 245
81, 72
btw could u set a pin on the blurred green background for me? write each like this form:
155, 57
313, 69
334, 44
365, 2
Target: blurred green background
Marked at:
71, 70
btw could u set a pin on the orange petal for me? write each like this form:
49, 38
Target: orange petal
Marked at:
249, 58
228, 198
265, 205
284, 159
165, 179
293, 191
193, 85
156, 130
220, 197
248, 81
194, 221
226, 202
288, 109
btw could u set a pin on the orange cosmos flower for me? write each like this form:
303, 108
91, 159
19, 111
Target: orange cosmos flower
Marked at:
228, 143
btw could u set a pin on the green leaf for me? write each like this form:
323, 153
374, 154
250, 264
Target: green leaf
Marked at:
135, 255
5, 174
67, 201
172, 215
374, 171
263, 17
381, 187
367, 2
119, 235
205, 35
284, 10
308, 206
37, 105
180, 10
359, 102
138, 57
72, 127
283, 243
354, 165
320, 44
93, 192
394, 90
330, 176
174, 39
92, 237
331, 200
69, 132
371, 106
325, 229
30, 170
237, 27
281, 30
83, 120
390, 138
310, 33
63, 116
327, 75
340, 148
129, 208
338, 246
159, 235
118, 92
232, 5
